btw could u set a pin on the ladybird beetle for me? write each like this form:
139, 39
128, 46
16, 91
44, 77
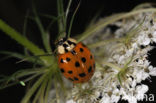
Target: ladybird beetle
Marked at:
75, 60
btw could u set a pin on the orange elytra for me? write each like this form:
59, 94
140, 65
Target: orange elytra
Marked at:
75, 60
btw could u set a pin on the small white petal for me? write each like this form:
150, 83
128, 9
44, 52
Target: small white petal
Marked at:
105, 99
114, 98
133, 84
132, 100
140, 75
129, 98
154, 34
129, 52
141, 90
152, 71
121, 59
134, 45
140, 62
146, 41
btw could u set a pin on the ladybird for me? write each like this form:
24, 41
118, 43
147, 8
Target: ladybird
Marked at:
75, 60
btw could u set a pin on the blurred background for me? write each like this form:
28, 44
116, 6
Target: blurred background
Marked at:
13, 12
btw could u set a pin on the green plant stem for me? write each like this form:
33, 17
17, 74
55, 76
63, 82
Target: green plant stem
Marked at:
24, 41
19, 38
111, 65
20, 56
71, 22
123, 70
33, 89
44, 35
25, 30
62, 20
17, 82
104, 42
43, 89
126, 39
67, 10
40, 93
23, 73
49, 85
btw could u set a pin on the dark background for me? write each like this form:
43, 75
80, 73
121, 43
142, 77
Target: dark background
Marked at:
13, 12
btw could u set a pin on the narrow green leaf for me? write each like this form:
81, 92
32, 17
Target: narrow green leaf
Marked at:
23, 41
103, 42
39, 95
67, 10
25, 29
44, 35
19, 38
22, 57
9, 81
71, 22
13, 54
26, 72
49, 86
43, 90
62, 13
48, 16
119, 78
52, 22
32, 90
62, 20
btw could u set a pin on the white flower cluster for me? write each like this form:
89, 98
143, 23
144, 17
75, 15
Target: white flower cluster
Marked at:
109, 85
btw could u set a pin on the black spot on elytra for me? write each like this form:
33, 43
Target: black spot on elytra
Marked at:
61, 60
73, 52
77, 64
91, 57
70, 72
68, 59
71, 79
83, 59
82, 74
89, 69
81, 49
75, 78
62, 70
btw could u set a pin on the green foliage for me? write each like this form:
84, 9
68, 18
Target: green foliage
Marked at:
44, 34
42, 78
